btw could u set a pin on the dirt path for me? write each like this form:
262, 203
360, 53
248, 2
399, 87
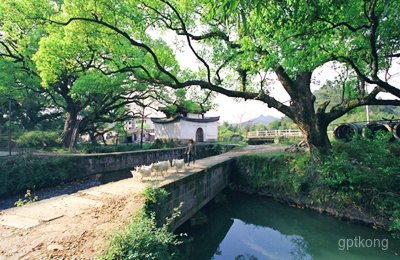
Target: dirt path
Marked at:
70, 226
77, 226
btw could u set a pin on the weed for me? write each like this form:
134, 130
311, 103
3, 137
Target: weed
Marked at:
28, 199
142, 238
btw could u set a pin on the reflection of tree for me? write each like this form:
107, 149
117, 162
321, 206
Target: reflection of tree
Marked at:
218, 252
246, 257
300, 248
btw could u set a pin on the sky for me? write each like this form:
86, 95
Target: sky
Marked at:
232, 111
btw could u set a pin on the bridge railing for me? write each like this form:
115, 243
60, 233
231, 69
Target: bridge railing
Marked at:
273, 133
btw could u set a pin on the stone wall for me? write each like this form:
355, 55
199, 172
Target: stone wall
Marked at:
101, 163
195, 191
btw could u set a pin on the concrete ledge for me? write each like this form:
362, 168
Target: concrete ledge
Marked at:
100, 163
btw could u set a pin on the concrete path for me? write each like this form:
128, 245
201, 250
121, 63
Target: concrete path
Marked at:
7, 153
76, 226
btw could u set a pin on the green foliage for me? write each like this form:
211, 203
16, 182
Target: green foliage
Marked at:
263, 170
231, 133
289, 140
30, 199
89, 61
39, 139
282, 124
155, 200
160, 143
142, 238
25, 171
362, 175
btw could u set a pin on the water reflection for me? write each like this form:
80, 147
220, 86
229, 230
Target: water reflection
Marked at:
249, 227
248, 241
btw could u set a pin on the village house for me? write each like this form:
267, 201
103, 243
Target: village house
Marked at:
133, 127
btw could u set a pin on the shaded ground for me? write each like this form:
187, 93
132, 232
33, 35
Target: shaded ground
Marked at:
47, 193
76, 226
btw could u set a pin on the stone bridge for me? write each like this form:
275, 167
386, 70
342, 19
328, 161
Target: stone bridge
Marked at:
78, 224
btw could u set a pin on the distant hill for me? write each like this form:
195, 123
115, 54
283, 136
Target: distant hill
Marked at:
261, 119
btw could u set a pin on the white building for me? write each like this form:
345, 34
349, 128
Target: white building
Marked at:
187, 126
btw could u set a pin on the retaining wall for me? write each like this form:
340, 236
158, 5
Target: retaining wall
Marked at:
100, 163
195, 191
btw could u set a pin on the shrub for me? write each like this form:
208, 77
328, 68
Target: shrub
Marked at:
39, 139
142, 238
25, 171
155, 201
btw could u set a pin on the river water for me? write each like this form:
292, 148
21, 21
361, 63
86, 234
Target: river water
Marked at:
248, 227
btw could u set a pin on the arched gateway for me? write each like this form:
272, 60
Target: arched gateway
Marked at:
199, 135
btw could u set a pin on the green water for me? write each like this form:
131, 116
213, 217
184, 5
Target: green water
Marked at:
251, 227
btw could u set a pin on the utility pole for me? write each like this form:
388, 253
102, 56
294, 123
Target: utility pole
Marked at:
9, 126
141, 132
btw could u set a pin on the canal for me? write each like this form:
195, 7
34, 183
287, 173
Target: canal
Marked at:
249, 227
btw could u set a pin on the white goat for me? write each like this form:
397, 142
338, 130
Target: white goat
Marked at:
136, 175
161, 167
179, 164
142, 171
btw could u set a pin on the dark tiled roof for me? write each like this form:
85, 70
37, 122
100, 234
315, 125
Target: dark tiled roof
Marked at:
165, 120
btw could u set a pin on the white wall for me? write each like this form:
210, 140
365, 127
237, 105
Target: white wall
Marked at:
171, 130
188, 130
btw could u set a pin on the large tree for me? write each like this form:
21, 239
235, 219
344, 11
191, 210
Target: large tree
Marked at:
75, 66
242, 44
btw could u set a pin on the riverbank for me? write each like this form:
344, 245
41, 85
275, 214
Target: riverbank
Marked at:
360, 182
355, 215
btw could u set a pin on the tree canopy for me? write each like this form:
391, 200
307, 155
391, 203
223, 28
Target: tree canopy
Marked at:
241, 48
86, 70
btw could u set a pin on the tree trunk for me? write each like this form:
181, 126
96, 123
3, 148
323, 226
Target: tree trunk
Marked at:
1, 124
316, 137
68, 136
92, 137
313, 124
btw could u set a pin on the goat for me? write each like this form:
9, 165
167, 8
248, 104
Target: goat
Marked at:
179, 164
142, 171
161, 167
136, 175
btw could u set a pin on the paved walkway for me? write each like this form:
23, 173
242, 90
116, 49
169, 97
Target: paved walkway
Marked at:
7, 153
76, 226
